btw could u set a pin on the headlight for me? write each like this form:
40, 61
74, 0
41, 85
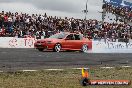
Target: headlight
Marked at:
40, 42
49, 42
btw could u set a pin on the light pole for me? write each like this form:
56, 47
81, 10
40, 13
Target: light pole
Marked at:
86, 10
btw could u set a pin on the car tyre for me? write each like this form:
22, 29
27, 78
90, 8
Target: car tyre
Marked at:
57, 47
84, 48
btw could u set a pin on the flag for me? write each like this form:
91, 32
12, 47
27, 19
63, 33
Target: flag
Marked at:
84, 73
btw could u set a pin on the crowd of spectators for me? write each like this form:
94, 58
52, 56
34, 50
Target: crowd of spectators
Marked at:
22, 24
125, 12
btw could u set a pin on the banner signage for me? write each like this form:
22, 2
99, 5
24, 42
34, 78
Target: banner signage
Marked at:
12, 42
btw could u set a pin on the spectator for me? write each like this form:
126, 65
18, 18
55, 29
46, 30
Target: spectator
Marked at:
42, 26
125, 12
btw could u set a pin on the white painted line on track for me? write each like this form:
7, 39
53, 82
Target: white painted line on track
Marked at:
71, 68
126, 66
54, 69
107, 67
79, 68
28, 70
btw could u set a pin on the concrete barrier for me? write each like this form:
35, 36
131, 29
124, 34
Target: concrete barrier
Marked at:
97, 46
111, 47
12, 42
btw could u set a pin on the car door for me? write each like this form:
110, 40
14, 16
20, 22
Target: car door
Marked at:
68, 42
77, 41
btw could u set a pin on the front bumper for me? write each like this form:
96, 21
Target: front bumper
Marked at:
44, 46
37, 45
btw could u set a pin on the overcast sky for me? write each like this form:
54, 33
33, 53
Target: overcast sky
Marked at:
70, 8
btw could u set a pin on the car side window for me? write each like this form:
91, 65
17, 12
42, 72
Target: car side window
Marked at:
70, 37
78, 37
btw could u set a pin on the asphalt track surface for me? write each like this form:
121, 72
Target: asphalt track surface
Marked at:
20, 59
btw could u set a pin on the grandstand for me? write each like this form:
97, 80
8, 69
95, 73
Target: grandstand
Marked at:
42, 25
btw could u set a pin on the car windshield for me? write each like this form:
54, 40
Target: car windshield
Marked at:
59, 36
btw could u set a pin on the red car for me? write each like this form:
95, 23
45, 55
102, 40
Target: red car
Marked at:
64, 41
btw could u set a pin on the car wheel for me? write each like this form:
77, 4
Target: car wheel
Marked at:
40, 49
57, 47
84, 48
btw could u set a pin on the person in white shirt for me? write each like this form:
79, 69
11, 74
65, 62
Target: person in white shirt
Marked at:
43, 34
10, 19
